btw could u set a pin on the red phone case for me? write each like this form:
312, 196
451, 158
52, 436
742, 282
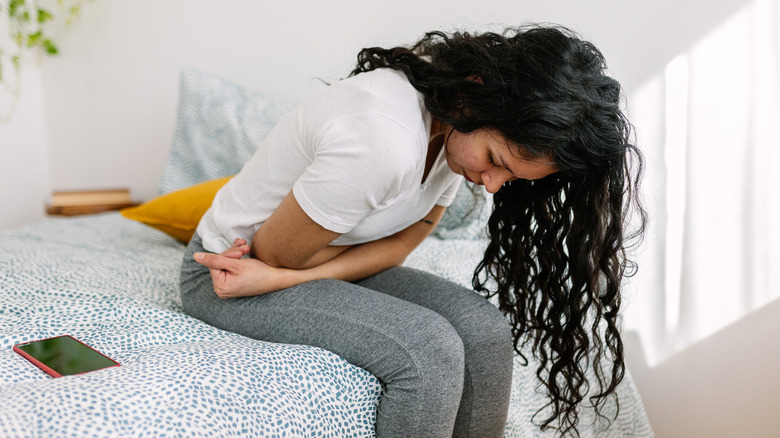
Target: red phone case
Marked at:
46, 368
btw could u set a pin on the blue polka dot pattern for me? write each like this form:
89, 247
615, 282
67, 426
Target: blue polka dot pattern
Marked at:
113, 283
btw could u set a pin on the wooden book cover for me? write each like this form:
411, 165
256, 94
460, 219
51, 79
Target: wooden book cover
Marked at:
82, 198
77, 202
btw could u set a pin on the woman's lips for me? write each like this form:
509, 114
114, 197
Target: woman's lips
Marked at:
467, 177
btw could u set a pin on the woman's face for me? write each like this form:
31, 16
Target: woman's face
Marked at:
483, 157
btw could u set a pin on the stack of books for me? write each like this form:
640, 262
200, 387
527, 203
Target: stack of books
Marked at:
71, 203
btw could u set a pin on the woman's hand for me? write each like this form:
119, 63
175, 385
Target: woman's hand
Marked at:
238, 250
234, 276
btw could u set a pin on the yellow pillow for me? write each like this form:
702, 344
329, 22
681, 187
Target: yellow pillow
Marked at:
177, 213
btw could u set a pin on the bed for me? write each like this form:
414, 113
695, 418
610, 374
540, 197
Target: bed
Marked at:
112, 282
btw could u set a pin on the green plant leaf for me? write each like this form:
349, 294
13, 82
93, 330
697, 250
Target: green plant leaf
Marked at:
34, 39
13, 7
44, 16
50, 47
16, 62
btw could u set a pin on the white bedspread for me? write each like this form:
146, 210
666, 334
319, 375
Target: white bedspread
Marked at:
113, 283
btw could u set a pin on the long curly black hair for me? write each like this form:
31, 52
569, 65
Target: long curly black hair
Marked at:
558, 246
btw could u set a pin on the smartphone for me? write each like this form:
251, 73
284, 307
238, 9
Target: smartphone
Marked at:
64, 356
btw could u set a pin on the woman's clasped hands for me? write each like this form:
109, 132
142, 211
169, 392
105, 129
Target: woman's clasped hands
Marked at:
236, 276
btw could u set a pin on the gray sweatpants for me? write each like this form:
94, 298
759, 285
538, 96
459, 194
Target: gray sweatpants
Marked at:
443, 352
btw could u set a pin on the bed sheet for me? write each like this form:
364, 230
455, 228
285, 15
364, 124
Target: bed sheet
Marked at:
112, 283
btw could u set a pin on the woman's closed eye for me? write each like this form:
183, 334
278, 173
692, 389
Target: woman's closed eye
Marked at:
491, 160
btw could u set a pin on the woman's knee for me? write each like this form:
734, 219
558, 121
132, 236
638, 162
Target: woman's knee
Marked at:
497, 330
433, 352
485, 327
441, 341
431, 371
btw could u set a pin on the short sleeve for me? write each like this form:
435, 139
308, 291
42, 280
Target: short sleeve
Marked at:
446, 198
361, 162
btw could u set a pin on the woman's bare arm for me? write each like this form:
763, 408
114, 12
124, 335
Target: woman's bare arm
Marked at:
234, 277
369, 258
291, 239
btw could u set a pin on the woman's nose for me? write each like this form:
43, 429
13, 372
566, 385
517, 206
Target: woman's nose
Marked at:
492, 181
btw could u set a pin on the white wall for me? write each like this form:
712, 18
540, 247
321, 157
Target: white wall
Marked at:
110, 97
24, 156
725, 386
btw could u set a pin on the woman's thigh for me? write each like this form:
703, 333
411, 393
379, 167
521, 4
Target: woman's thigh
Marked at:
459, 305
486, 336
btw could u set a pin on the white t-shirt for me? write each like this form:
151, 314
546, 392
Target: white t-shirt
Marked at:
354, 157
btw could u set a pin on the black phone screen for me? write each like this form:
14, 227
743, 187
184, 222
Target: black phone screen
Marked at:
66, 355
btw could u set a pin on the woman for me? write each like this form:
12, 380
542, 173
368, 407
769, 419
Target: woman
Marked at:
304, 245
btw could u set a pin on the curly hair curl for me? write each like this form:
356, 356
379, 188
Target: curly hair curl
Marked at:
558, 246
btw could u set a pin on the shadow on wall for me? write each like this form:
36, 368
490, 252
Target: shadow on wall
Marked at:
649, 25
723, 386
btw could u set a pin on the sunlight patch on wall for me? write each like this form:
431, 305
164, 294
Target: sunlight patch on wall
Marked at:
675, 152
711, 123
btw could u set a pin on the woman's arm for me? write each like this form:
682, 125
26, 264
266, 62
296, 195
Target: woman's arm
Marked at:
291, 239
364, 260
235, 277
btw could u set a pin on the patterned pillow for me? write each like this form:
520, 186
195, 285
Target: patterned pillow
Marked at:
219, 126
